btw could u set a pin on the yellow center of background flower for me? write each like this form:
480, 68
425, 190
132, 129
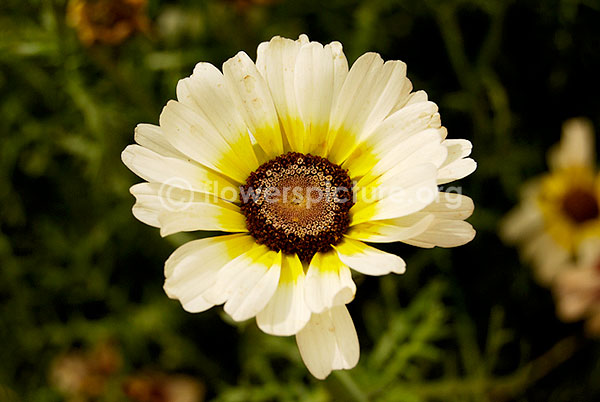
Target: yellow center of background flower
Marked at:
580, 205
569, 201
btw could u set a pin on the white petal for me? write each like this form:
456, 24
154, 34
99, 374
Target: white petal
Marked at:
368, 94
146, 213
249, 266
196, 137
303, 39
412, 98
328, 283
576, 146
319, 72
522, 222
152, 137
340, 68
456, 166
445, 206
198, 305
175, 210
450, 206
261, 64
253, 287
278, 61
206, 93
251, 95
192, 269
447, 228
444, 233
202, 216
391, 230
329, 342
548, 258
588, 253
176, 172
368, 260
423, 148
286, 313
263, 49
396, 194
575, 291
395, 134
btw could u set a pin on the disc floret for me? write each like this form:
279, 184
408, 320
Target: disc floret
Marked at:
297, 203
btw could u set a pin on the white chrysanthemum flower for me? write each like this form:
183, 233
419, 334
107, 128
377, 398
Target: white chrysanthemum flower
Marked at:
560, 209
577, 289
304, 160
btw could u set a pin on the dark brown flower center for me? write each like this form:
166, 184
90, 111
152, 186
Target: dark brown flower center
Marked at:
580, 205
297, 203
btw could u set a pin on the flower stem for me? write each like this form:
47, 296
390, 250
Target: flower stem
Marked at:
353, 389
504, 387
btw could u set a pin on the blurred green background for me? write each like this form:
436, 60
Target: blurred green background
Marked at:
80, 276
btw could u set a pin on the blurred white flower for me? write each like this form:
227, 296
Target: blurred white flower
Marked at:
561, 208
577, 290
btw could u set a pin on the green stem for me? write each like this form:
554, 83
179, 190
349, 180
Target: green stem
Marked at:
353, 389
506, 387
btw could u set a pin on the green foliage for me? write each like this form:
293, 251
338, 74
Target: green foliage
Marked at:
76, 269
